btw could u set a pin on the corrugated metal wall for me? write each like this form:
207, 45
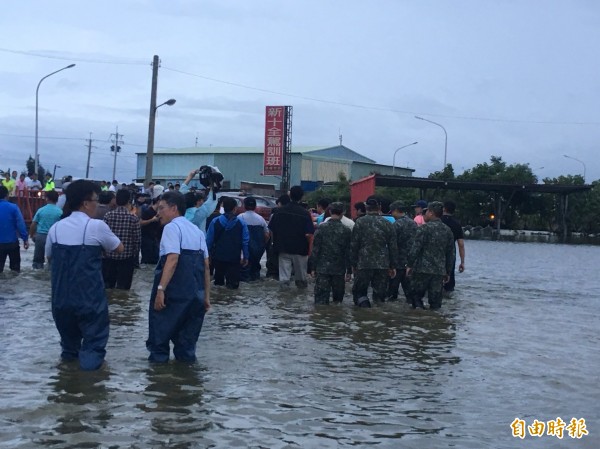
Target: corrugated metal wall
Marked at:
328, 171
360, 191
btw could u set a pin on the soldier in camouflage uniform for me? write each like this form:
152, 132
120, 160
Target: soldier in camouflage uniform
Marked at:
330, 257
374, 254
431, 258
405, 232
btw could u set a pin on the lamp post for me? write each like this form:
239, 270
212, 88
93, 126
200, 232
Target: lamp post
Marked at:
394, 159
445, 133
150, 150
580, 161
36, 111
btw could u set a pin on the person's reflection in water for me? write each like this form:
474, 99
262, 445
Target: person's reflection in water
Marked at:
397, 361
125, 307
81, 399
174, 400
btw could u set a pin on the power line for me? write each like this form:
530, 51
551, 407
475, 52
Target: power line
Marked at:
40, 137
375, 108
302, 97
78, 59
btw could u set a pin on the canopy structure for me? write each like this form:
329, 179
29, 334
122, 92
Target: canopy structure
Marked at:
361, 189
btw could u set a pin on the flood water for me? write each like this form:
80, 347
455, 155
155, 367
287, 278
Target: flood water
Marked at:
520, 338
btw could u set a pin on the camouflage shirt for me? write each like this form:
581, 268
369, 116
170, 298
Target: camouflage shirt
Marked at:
373, 243
405, 233
432, 251
331, 248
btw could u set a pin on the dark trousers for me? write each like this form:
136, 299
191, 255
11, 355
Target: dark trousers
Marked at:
272, 262
449, 286
150, 249
227, 273
326, 284
430, 284
377, 278
396, 282
118, 273
13, 252
251, 272
40, 250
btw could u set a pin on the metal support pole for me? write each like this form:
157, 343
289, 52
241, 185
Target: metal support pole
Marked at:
445, 141
151, 122
37, 90
394, 158
114, 174
87, 167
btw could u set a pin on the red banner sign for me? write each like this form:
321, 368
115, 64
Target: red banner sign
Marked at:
274, 140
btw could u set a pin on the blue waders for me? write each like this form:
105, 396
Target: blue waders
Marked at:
181, 320
79, 305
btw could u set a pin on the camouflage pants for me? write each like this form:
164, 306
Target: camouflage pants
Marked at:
329, 283
396, 282
378, 279
431, 284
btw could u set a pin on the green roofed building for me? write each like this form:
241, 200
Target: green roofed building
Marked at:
310, 165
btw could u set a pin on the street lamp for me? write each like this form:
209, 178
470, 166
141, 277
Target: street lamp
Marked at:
36, 111
445, 133
580, 161
394, 159
150, 149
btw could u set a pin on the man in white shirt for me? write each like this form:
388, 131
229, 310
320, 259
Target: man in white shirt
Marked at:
34, 183
157, 190
79, 306
181, 292
114, 186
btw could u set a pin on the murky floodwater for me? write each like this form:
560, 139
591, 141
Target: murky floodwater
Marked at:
519, 339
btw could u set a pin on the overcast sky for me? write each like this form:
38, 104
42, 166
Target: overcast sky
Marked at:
517, 79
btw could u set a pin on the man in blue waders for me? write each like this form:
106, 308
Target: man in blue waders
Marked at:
181, 292
74, 249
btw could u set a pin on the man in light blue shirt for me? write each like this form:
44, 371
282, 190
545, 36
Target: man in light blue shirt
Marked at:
42, 221
205, 206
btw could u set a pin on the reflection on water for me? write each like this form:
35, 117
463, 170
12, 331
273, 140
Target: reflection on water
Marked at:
519, 339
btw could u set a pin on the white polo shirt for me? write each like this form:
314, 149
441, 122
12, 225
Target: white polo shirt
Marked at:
253, 219
69, 231
182, 234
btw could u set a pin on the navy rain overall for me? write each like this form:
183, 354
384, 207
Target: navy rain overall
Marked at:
79, 304
181, 320
256, 249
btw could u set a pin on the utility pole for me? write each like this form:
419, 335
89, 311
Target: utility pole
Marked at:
151, 124
116, 148
87, 167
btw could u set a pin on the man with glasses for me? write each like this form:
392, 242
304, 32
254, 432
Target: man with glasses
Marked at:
181, 292
74, 249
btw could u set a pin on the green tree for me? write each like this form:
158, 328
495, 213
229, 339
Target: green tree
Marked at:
476, 206
336, 191
30, 166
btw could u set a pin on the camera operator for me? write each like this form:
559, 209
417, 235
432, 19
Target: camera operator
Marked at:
206, 202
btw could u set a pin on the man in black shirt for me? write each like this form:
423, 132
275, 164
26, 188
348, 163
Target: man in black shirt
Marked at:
292, 229
151, 232
457, 231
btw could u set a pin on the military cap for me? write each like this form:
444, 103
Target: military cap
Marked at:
398, 205
336, 208
372, 202
437, 207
